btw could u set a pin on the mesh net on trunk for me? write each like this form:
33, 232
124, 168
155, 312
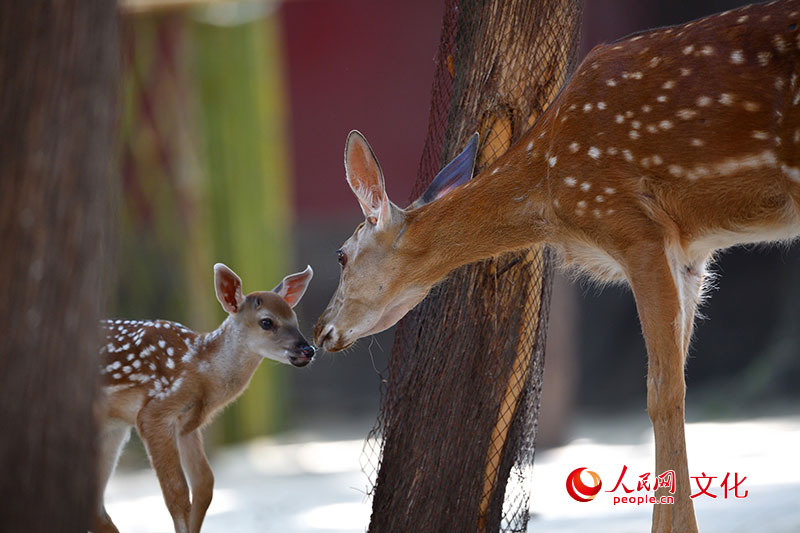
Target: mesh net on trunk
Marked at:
454, 441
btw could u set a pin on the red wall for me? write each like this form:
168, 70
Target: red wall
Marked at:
357, 64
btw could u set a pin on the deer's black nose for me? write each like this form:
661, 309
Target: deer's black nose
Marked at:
306, 349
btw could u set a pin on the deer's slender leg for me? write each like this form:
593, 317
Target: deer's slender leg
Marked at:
159, 435
201, 479
663, 317
113, 436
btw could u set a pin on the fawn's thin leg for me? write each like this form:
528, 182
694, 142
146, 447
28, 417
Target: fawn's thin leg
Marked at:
195, 464
160, 437
663, 320
113, 437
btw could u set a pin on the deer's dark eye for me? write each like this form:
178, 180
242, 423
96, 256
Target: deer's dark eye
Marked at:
267, 324
342, 257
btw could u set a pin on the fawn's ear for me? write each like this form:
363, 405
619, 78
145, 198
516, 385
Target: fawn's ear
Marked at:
365, 177
228, 287
294, 286
455, 173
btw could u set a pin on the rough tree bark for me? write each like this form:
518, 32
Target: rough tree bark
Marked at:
58, 63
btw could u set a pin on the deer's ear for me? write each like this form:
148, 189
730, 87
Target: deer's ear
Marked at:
294, 286
365, 177
457, 172
228, 287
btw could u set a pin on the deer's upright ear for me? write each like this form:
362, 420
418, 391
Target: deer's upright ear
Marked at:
294, 286
365, 177
455, 173
228, 287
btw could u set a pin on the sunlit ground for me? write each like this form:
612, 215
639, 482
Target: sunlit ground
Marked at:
271, 485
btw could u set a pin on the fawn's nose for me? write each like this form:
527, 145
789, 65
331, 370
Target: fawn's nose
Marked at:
306, 349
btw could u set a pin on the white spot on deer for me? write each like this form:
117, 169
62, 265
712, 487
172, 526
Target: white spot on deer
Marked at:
574, 147
611, 150
152, 366
651, 128
796, 137
495, 171
126, 369
685, 71
609, 190
585, 186
751, 106
645, 162
609, 211
765, 18
130, 357
582, 204
628, 114
636, 124
619, 119
647, 108
780, 43
136, 364
601, 106
764, 58
688, 49
596, 213
704, 101
737, 57
725, 99
627, 155
117, 376
580, 212
611, 82
654, 62
675, 170
587, 108
743, 18
686, 114
657, 160
793, 173
761, 135
158, 325
552, 161
170, 363
697, 142
707, 51
556, 203
594, 152
669, 84
569, 181
665, 125
170, 351
633, 134
162, 343
530, 146
599, 199
662, 98
750, 162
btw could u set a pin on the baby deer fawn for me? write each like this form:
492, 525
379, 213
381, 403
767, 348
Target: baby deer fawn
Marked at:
663, 148
169, 381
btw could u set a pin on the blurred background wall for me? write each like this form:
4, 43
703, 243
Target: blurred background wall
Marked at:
234, 121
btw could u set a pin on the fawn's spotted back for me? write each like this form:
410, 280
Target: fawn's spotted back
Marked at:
150, 352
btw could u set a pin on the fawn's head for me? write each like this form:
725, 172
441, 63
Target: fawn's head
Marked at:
264, 321
377, 286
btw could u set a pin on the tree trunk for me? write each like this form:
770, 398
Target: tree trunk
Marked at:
58, 64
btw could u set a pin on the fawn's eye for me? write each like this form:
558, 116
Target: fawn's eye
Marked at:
267, 324
342, 257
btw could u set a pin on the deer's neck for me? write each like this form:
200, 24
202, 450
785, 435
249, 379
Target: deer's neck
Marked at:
502, 209
225, 354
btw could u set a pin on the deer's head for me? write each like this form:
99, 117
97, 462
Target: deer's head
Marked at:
264, 321
382, 276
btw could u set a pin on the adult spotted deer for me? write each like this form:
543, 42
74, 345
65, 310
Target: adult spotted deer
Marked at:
169, 381
663, 148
